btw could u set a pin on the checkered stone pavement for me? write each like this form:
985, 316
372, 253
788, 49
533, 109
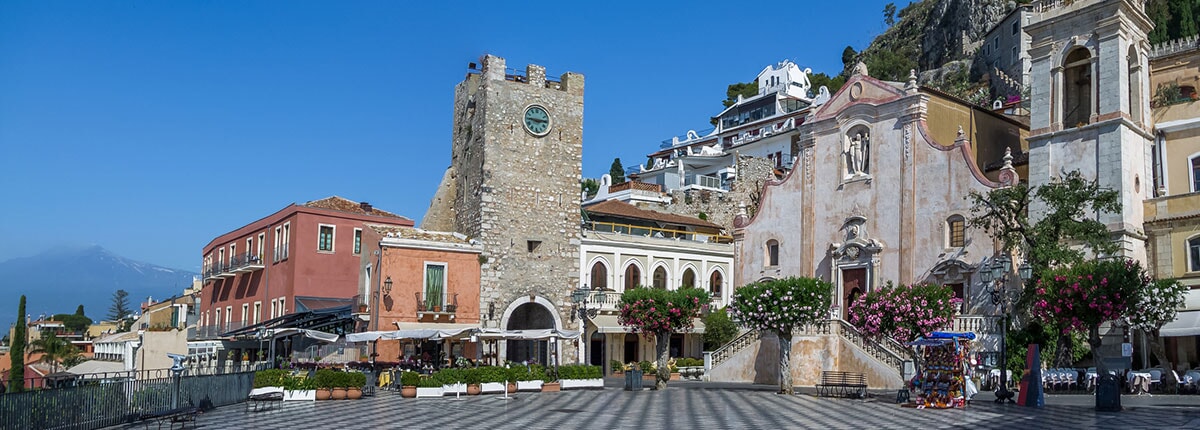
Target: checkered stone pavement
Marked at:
686, 405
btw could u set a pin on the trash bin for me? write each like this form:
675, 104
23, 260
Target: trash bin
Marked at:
1108, 393
633, 380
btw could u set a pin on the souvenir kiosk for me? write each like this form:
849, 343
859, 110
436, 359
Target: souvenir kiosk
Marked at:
943, 377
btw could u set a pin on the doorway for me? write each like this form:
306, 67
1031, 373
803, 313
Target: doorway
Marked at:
529, 316
631, 348
597, 350
854, 284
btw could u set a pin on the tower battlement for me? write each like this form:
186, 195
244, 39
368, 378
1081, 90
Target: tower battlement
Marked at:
494, 68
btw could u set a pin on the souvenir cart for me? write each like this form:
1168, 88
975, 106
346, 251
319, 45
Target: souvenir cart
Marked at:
943, 372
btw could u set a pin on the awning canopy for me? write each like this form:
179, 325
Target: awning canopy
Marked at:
310, 320
311, 334
539, 334
422, 334
1185, 324
609, 324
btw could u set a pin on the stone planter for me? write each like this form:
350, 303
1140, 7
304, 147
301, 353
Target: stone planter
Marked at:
299, 395
453, 389
429, 392
582, 383
492, 387
551, 387
529, 385
408, 391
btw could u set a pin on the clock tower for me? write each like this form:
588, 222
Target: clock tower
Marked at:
513, 185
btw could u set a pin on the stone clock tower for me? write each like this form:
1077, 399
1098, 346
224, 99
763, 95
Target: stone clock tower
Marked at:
513, 184
1090, 105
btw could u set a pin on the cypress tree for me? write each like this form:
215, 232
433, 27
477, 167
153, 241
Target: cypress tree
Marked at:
617, 172
16, 352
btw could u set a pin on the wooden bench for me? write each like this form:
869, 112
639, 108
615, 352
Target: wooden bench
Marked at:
183, 415
842, 384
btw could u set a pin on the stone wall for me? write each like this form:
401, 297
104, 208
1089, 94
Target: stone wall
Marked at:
720, 208
518, 193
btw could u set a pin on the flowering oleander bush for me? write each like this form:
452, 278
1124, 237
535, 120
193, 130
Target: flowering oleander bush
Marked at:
650, 310
904, 312
781, 305
658, 313
1079, 298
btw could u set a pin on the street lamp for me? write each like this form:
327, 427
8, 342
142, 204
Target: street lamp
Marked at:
387, 287
582, 311
998, 272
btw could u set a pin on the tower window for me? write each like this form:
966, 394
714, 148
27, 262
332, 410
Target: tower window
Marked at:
532, 245
1077, 85
956, 227
772, 252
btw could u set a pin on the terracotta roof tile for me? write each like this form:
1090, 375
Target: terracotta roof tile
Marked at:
626, 210
345, 205
418, 234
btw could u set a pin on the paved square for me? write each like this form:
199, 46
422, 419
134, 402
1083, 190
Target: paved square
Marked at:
698, 406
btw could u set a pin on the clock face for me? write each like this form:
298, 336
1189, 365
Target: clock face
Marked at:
537, 120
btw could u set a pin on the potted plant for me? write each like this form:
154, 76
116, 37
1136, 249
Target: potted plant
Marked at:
510, 376
299, 387
452, 381
429, 387
580, 376
618, 368
647, 368
673, 365
340, 383
492, 379
356, 381
529, 377
408, 383
473, 378
325, 379
551, 385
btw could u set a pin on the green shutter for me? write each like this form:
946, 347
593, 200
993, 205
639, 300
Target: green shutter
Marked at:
434, 277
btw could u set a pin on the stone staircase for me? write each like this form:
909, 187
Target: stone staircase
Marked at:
889, 357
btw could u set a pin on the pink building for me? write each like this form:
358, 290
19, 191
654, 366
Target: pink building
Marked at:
303, 257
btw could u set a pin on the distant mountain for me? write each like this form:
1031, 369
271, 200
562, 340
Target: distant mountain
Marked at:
60, 279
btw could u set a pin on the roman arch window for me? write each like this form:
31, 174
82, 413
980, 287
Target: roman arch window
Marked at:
1193, 245
689, 279
660, 278
772, 252
599, 276
715, 283
956, 228
1077, 88
633, 277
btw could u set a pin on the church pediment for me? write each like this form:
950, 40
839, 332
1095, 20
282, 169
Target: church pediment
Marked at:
859, 89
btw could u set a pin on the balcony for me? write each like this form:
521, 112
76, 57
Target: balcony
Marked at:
635, 230
977, 324
437, 307
247, 262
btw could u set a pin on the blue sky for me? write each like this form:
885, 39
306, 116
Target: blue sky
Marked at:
151, 127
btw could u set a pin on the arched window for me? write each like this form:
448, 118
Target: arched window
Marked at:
599, 276
689, 279
1193, 245
956, 228
660, 278
633, 277
772, 252
714, 283
1135, 86
1077, 88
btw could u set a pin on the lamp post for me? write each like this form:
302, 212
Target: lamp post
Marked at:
998, 273
384, 291
582, 312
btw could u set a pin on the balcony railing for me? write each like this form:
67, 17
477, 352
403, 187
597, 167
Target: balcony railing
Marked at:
247, 262
634, 230
635, 185
977, 324
437, 306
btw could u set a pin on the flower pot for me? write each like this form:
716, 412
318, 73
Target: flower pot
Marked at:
338, 394
408, 391
674, 376
324, 394
512, 388
551, 387
354, 393
474, 389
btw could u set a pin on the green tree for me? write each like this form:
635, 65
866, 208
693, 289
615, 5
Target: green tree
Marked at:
849, 56
744, 89
890, 65
659, 313
120, 310
780, 306
76, 322
53, 349
719, 329
617, 172
589, 186
1184, 21
833, 84
889, 14
1158, 306
1160, 13
16, 352
1064, 234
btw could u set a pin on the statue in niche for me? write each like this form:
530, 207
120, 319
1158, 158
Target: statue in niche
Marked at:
856, 153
